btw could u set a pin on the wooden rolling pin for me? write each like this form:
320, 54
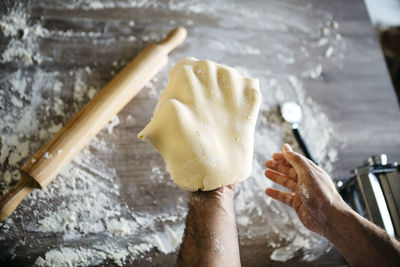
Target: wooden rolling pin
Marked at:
51, 158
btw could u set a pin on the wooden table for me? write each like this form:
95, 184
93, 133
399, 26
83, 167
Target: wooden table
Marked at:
354, 90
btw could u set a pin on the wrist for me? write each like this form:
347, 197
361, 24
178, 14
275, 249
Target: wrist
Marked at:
223, 194
339, 216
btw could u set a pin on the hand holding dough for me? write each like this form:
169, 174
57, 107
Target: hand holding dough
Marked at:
203, 124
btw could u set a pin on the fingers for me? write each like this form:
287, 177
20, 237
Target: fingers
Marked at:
282, 179
282, 167
284, 197
278, 156
295, 159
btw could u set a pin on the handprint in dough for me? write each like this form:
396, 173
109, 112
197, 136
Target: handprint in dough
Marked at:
203, 124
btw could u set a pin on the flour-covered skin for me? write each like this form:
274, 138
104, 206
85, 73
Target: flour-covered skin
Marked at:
312, 194
321, 209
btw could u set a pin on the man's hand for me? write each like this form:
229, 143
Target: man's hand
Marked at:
322, 210
313, 195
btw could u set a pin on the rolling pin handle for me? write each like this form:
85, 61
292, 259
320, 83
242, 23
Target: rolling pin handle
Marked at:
303, 145
173, 39
10, 201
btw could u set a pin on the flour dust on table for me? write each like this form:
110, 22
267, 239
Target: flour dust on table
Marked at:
83, 218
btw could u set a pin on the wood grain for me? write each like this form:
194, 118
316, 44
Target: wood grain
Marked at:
357, 96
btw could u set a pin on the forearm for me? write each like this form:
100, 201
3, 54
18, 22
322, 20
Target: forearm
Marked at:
361, 242
210, 235
321, 209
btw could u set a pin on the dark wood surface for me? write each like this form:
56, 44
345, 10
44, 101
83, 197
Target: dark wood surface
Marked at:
361, 101
354, 91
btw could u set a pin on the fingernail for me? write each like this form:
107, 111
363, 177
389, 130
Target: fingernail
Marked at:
287, 148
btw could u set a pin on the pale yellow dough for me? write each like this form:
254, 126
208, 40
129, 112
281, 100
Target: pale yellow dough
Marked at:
203, 124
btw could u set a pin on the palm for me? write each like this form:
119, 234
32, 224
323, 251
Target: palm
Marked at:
305, 216
281, 172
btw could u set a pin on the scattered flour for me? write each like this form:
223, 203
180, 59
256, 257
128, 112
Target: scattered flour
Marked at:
112, 124
313, 73
84, 201
153, 91
169, 240
23, 44
329, 51
235, 48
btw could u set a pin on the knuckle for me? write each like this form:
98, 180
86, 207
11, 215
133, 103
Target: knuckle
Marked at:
294, 155
292, 172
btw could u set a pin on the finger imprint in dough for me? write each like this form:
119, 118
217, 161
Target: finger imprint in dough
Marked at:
203, 124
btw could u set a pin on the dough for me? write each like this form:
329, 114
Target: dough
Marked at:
203, 124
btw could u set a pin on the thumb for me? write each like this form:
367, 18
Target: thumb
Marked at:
297, 161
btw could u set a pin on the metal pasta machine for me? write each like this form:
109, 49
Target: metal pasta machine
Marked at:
374, 192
